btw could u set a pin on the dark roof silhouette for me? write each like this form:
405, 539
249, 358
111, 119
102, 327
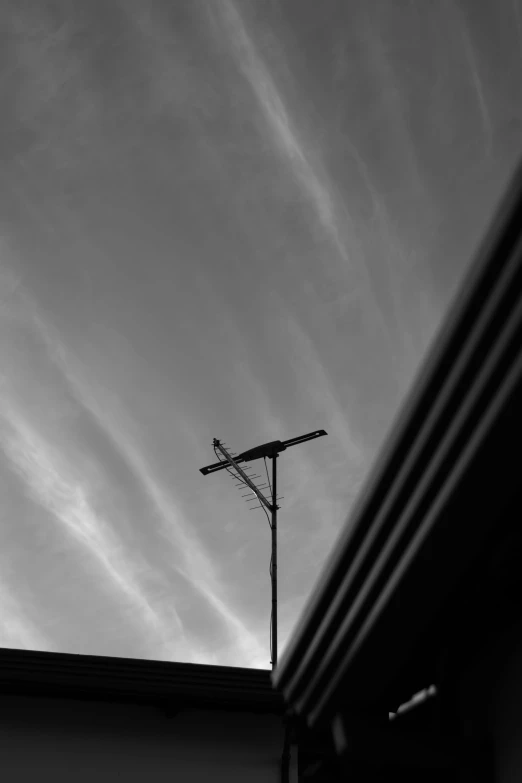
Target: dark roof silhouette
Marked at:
172, 685
423, 561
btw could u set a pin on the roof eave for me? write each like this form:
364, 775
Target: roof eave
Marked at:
438, 434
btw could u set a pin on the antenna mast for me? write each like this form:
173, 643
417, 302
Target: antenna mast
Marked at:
232, 464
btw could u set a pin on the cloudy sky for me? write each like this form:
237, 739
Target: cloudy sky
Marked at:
240, 219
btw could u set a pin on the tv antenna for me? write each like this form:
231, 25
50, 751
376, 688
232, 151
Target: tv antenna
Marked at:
231, 462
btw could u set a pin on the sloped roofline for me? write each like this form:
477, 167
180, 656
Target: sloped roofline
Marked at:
471, 374
177, 685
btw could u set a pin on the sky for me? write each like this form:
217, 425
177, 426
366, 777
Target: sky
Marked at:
233, 219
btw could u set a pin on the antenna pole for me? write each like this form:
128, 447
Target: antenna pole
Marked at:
274, 561
271, 451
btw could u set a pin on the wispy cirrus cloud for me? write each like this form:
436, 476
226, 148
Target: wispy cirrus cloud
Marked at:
475, 75
69, 500
17, 629
71, 489
192, 560
345, 264
279, 121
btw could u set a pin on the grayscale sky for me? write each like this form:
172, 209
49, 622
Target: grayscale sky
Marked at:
240, 219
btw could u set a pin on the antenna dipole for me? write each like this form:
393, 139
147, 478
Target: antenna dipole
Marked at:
233, 465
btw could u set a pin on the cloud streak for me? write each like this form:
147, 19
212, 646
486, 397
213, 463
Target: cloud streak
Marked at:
278, 120
68, 499
347, 263
197, 566
476, 80
70, 491
17, 630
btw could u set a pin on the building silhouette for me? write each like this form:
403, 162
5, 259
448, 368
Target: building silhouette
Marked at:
407, 662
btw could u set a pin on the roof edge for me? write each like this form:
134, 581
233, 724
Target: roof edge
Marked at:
466, 311
32, 672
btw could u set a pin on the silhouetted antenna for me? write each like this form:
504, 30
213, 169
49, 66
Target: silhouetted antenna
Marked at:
235, 466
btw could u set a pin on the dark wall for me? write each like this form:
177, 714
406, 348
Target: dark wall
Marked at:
64, 740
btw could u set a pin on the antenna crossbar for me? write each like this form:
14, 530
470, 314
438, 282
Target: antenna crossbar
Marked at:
231, 463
